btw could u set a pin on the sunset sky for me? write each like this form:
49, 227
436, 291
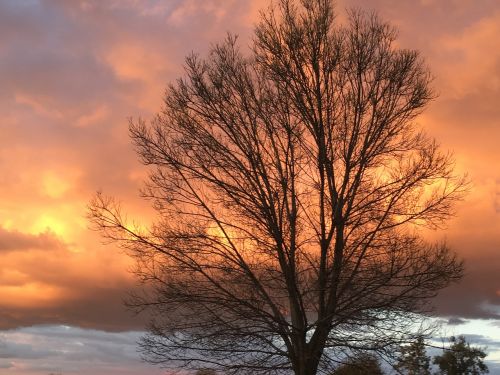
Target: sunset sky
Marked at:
73, 71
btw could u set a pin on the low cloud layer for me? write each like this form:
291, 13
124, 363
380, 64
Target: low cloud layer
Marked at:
70, 350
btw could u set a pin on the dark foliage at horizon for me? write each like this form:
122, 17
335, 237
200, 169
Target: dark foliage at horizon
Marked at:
461, 359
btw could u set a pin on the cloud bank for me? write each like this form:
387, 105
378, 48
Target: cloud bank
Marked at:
70, 350
72, 72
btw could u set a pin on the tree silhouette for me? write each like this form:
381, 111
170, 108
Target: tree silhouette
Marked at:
206, 371
413, 359
290, 184
461, 359
362, 365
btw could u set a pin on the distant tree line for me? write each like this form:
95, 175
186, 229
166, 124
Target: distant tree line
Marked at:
460, 358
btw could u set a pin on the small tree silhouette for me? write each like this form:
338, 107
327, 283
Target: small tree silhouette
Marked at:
206, 371
362, 365
413, 359
461, 359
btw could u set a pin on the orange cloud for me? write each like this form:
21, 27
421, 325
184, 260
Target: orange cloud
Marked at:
43, 281
471, 57
72, 72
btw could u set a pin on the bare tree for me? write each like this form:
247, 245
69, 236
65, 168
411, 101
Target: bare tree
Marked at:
290, 183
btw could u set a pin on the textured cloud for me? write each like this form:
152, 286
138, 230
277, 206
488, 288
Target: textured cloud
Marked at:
15, 240
454, 321
73, 71
70, 350
43, 280
458, 39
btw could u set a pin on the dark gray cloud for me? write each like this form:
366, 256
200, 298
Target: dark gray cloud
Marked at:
15, 240
455, 321
478, 294
70, 350
65, 349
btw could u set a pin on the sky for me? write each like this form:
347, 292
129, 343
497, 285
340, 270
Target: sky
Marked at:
71, 74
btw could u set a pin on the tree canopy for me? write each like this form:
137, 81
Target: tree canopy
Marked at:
461, 359
362, 365
413, 359
290, 181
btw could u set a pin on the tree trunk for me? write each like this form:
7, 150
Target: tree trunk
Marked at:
308, 369
307, 364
